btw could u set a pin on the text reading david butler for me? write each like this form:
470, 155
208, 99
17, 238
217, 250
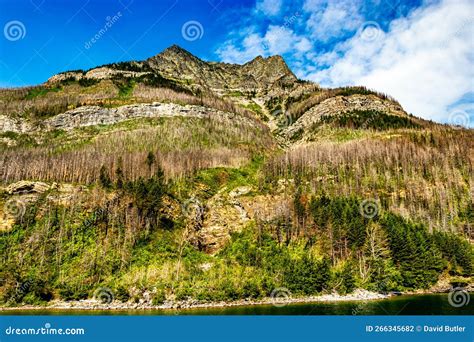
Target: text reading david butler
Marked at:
413, 328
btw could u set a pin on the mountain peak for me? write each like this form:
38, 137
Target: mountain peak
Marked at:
270, 59
178, 63
175, 49
273, 67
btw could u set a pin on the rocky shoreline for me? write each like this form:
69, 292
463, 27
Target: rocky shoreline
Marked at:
92, 304
281, 298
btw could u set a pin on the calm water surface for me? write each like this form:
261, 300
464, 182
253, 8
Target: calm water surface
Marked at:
432, 304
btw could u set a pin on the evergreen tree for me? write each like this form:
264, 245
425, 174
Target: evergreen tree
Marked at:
119, 174
104, 177
150, 160
348, 279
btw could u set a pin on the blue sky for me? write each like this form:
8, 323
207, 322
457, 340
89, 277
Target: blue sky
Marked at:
420, 52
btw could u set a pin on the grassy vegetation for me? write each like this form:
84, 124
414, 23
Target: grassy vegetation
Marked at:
254, 107
40, 91
235, 93
125, 87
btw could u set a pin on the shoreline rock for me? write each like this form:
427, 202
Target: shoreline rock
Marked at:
91, 304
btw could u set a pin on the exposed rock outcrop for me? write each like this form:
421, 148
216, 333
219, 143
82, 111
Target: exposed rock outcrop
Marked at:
10, 124
224, 215
101, 73
27, 187
341, 104
95, 115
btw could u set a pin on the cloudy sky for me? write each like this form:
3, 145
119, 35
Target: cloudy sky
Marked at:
420, 52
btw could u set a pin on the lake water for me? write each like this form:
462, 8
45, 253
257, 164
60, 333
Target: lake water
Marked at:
431, 304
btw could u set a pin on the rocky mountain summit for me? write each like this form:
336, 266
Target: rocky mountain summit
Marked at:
258, 74
264, 90
176, 63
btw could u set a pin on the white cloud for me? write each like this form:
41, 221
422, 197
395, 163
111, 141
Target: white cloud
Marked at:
269, 7
331, 19
303, 45
425, 60
251, 47
281, 40
277, 40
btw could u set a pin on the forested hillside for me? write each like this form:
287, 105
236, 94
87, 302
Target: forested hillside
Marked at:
176, 179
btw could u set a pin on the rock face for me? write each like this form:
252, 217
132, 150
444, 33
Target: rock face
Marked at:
224, 215
227, 213
95, 115
27, 187
340, 104
260, 73
9, 124
100, 73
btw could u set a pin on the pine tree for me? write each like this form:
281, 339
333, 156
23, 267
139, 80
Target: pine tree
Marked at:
119, 174
150, 160
104, 177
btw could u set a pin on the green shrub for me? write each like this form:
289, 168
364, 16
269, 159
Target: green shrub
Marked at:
159, 297
104, 178
40, 91
69, 292
122, 294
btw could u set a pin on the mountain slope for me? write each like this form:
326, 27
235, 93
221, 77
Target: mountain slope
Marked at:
175, 178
